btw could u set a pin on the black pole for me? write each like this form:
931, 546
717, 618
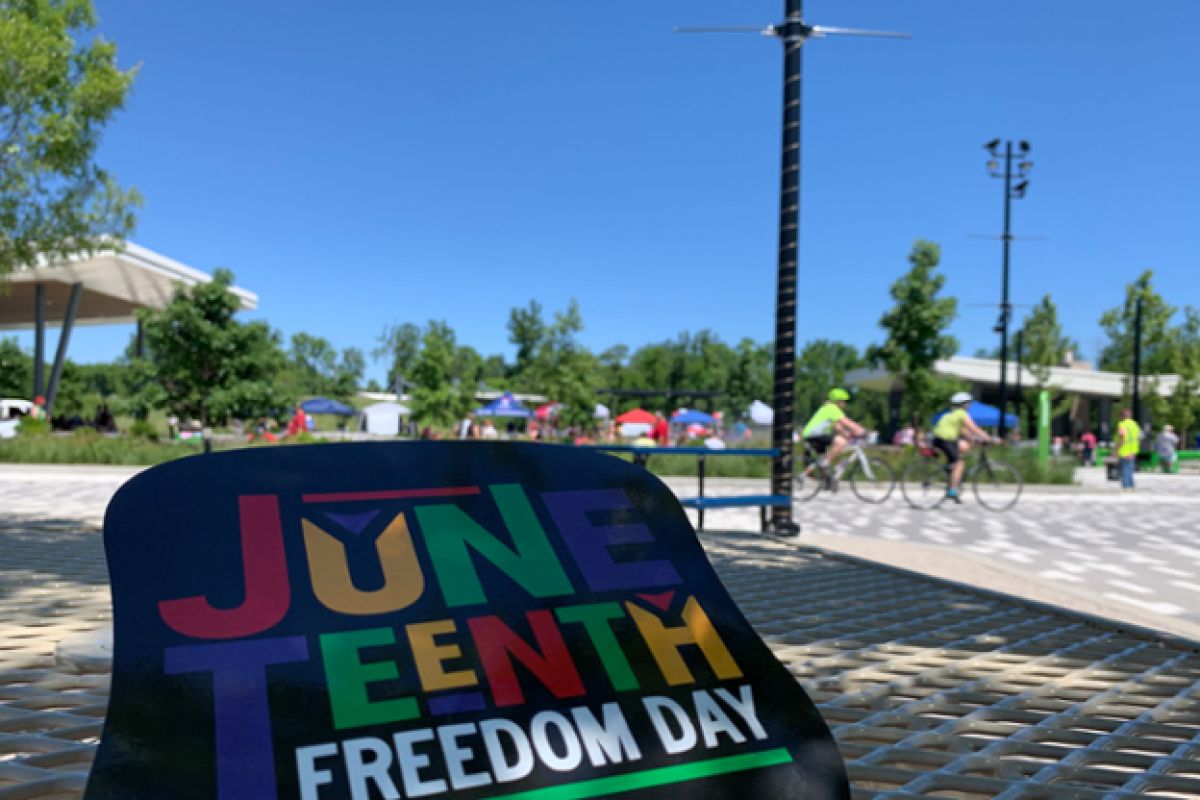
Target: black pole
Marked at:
1137, 361
39, 340
64, 338
1004, 308
1020, 362
793, 33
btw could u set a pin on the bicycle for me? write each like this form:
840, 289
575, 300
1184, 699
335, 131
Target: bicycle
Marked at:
871, 478
996, 484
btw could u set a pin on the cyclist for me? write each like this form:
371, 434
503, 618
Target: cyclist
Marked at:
952, 435
830, 429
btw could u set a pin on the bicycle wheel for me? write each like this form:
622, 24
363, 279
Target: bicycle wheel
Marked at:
808, 482
924, 483
874, 484
997, 485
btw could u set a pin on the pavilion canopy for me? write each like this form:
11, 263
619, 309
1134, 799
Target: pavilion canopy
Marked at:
113, 285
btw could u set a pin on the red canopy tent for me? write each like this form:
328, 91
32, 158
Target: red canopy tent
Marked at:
637, 416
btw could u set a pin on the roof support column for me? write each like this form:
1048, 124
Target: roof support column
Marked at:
39, 339
64, 337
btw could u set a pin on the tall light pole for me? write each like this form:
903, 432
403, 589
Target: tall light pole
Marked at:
793, 32
1010, 192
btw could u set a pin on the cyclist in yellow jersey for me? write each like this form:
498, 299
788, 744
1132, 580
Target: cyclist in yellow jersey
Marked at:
829, 429
952, 435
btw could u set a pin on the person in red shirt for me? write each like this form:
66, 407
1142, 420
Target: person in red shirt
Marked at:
661, 432
1088, 440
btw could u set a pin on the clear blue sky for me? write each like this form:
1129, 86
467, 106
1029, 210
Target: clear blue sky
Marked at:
369, 162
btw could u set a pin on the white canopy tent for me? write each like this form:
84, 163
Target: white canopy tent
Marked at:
761, 413
383, 419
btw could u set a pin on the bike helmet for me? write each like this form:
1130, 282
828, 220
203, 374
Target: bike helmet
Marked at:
838, 394
960, 398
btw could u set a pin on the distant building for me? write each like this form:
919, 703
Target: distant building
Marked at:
1095, 396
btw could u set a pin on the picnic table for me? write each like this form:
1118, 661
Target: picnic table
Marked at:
701, 502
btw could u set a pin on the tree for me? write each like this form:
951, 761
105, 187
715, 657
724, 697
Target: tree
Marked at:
821, 366
526, 330
316, 369
16, 369
1043, 346
1182, 407
1118, 324
399, 344
565, 370
210, 366
750, 376
435, 400
60, 86
916, 337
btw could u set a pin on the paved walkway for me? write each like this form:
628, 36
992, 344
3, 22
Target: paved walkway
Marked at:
1091, 548
930, 689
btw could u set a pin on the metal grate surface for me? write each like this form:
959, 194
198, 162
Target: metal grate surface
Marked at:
932, 690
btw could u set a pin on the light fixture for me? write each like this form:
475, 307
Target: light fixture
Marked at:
992, 145
1025, 166
993, 165
1024, 145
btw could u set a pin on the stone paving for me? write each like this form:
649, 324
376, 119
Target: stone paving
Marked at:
931, 689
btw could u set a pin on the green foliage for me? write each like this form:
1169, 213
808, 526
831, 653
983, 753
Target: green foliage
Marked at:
60, 86
1043, 345
16, 370
143, 429
210, 366
435, 401
749, 377
565, 370
526, 329
1182, 407
916, 336
314, 368
28, 426
1118, 325
88, 448
821, 366
399, 345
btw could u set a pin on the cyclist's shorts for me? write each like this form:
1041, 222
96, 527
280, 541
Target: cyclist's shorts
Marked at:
948, 447
819, 443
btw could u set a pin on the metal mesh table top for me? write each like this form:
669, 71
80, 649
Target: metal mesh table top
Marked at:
932, 689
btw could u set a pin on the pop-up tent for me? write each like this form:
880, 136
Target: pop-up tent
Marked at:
504, 406
637, 416
985, 416
691, 417
323, 405
383, 419
761, 413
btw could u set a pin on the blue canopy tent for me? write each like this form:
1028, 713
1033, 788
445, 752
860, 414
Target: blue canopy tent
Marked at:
691, 417
505, 406
985, 416
323, 405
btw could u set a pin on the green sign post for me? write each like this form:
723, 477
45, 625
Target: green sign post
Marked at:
1043, 427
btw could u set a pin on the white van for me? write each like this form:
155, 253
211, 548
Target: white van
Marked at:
11, 411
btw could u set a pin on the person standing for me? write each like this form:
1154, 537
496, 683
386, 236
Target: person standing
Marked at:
1129, 442
466, 427
1088, 442
1165, 445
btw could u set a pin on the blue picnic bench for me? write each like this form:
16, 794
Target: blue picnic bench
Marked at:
701, 501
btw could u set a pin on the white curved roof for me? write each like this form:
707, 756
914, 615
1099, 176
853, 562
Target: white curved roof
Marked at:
115, 284
986, 371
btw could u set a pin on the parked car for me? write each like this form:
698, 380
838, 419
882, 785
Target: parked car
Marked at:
11, 411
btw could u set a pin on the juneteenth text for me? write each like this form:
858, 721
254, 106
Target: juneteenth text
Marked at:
452, 656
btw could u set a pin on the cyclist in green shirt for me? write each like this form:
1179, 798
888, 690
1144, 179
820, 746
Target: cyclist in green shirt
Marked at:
830, 429
952, 435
